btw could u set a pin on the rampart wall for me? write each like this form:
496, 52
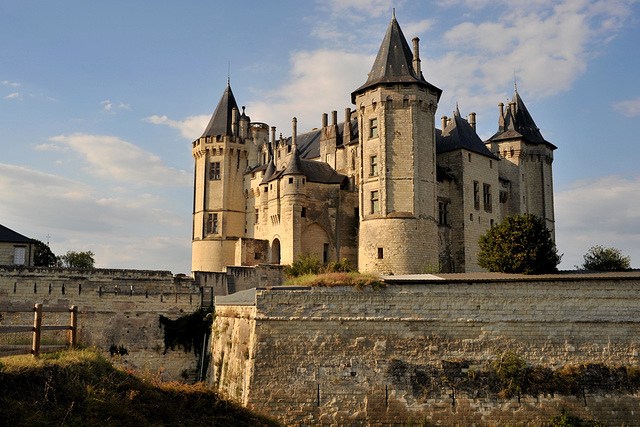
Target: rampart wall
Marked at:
340, 356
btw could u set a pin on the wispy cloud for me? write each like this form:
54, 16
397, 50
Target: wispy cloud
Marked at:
603, 211
110, 107
14, 95
190, 128
12, 84
111, 158
629, 108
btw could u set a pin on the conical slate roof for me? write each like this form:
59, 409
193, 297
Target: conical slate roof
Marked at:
220, 123
460, 135
394, 63
295, 166
520, 125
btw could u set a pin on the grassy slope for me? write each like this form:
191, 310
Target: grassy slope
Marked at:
81, 387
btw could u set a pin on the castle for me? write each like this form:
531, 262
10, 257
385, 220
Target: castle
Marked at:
384, 188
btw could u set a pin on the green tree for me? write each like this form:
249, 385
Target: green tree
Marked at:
519, 244
43, 256
74, 259
599, 258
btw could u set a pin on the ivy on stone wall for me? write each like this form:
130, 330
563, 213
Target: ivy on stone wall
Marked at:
187, 332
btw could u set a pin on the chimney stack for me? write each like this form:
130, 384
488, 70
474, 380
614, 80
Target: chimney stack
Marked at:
294, 124
416, 57
472, 120
325, 119
444, 122
334, 117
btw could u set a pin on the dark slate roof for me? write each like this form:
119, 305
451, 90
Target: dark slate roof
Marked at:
520, 126
460, 135
221, 120
271, 168
309, 143
8, 235
394, 63
314, 171
295, 166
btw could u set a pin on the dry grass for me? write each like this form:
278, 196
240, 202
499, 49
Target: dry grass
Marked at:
81, 387
354, 279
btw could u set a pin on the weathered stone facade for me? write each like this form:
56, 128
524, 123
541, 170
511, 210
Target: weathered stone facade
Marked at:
340, 356
384, 189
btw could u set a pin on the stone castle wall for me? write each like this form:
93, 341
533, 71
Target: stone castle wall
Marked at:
341, 356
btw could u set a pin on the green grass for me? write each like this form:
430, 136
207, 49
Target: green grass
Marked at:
80, 387
357, 280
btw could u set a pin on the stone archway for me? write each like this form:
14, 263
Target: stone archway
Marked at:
275, 251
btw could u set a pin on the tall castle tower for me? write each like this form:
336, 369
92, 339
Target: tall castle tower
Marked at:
396, 114
222, 154
526, 163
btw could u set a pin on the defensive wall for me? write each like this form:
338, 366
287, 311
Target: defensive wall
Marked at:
121, 308
417, 349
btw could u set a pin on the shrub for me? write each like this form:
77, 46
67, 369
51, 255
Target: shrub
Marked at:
599, 258
519, 244
305, 264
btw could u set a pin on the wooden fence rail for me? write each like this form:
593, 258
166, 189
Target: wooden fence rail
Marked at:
38, 328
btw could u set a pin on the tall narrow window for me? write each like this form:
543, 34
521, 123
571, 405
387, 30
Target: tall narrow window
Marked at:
443, 212
325, 253
214, 170
476, 194
373, 128
380, 253
257, 215
374, 166
212, 224
486, 197
374, 202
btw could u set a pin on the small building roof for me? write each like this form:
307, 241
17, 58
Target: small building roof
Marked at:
10, 236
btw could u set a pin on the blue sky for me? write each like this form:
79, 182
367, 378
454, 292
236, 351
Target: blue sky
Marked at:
99, 103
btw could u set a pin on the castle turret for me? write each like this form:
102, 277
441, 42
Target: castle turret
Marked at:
221, 157
527, 163
396, 110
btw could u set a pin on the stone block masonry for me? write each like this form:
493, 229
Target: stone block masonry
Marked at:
339, 356
115, 307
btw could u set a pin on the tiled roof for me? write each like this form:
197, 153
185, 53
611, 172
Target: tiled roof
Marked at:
221, 120
8, 235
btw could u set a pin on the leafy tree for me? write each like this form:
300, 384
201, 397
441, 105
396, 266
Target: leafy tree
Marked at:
599, 258
305, 264
519, 244
74, 259
43, 256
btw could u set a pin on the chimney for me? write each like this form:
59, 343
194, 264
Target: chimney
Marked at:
472, 120
512, 107
325, 118
294, 124
444, 122
334, 117
501, 106
416, 56
234, 121
346, 134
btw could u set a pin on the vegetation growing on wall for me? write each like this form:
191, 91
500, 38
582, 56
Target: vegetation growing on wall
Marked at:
328, 280
509, 376
187, 331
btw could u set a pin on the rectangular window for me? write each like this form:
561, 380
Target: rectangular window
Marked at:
486, 197
257, 215
476, 194
374, 202
380, 253
214, 170
325, 253
374, 166
19, 255
373, 128
290, 180
443, 212
212, 224
303, 212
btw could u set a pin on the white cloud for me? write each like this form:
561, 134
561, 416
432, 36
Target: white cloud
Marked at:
106, 105
124, 232
629, 108
14, 95
372, 8
603, 211
111, 158
320, 81
190, 128
12, 84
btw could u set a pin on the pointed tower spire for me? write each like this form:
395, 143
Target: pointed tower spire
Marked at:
221, 122
394, 63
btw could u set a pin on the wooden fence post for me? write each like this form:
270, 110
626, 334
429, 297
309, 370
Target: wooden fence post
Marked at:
37, 326
73, 334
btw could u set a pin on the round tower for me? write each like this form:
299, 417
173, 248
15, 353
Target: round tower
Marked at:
398, 209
